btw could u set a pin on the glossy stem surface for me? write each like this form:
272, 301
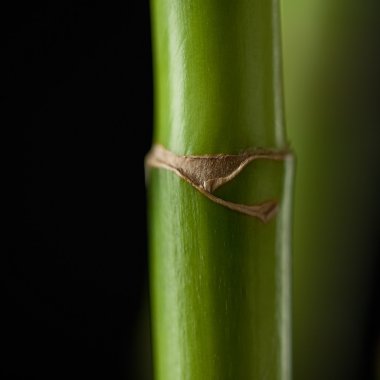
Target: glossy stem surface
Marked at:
220, 280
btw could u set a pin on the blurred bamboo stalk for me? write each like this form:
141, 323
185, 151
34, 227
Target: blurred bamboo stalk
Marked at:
330, 71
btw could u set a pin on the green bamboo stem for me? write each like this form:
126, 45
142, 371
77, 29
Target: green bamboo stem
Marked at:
220, 280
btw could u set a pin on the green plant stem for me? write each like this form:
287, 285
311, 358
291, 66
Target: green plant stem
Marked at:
220, 280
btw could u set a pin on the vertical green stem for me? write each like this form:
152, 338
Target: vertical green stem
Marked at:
220, 280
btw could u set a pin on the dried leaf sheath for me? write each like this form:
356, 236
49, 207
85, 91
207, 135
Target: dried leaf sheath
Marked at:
207, 173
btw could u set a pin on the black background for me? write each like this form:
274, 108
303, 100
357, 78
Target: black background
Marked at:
79, 88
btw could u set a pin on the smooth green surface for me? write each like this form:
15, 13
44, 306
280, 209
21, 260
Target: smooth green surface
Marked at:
220, 280
217, 75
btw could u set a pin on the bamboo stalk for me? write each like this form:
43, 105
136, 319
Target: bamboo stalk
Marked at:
220, 280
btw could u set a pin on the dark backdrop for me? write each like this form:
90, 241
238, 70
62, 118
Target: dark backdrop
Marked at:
79, 87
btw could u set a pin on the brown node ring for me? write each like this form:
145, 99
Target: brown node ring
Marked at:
206, 173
